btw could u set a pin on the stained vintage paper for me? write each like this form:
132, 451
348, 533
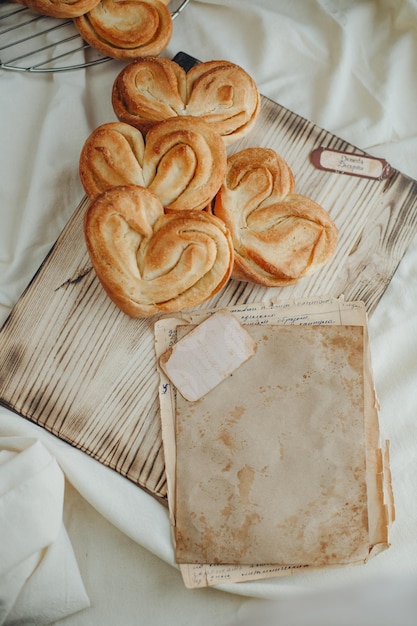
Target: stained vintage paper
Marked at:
280, 467
271, 465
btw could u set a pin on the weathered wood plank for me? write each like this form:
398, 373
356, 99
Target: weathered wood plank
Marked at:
74, 364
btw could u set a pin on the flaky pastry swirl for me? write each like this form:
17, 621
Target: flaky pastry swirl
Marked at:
279, 236
182, 160
61, 8
150, 262
127, 29
152, 89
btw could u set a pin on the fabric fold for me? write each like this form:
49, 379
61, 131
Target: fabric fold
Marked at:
39, 577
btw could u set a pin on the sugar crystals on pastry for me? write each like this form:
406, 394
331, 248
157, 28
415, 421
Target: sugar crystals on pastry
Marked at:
150, 262
220, 92
182, 160
279, 236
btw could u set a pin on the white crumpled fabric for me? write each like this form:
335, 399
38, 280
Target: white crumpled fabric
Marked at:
39, 577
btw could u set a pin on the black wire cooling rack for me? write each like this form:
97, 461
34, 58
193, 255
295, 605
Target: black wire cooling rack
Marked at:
30, 42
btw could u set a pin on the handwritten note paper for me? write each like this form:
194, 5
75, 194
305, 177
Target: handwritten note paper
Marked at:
308, 441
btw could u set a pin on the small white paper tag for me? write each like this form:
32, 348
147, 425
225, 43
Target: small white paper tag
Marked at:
207, 355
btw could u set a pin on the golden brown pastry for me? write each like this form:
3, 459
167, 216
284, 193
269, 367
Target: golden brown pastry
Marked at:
127, 29
185, 162
149, 91
182, 160
150, 262
112, 155
61, 8
152, 89
279, 236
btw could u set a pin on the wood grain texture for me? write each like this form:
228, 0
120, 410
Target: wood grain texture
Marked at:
71, 362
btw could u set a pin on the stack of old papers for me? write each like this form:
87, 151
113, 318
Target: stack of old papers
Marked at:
279, 466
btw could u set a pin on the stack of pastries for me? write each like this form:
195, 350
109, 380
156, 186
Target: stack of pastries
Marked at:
171, 217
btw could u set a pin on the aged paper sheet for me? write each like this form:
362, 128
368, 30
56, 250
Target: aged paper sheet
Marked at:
279, 468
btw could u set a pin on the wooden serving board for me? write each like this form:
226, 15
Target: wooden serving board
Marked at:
71, 362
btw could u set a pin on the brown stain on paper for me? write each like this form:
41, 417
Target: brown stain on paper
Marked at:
225, 435
226, 438
245, 477
227, 467
235, 414
244, 534
351, 346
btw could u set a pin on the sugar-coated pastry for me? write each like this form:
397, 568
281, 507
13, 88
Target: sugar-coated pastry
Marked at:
152, 89
61, 8
182, 160
150, 262
279, 236
127, 29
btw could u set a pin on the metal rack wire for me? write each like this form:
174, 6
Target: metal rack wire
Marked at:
35, 43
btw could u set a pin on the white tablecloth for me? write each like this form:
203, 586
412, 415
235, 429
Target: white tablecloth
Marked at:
348, 65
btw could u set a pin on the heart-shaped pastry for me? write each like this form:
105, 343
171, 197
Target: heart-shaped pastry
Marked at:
182, 160
153, 89
61, 8
279, 236
126, 29
149, 261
